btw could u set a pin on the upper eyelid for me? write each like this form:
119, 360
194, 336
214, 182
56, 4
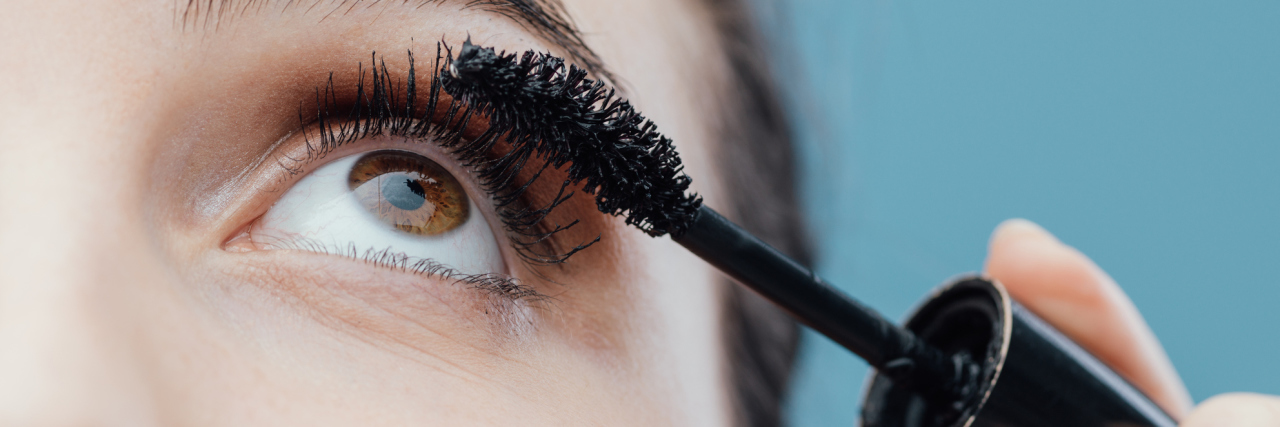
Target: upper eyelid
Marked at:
541, 18
301, 159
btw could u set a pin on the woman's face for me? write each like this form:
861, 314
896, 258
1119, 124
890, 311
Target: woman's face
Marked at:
172, 254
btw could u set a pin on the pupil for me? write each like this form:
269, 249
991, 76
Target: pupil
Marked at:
403, 192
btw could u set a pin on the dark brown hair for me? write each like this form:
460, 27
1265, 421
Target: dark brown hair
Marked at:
757, 165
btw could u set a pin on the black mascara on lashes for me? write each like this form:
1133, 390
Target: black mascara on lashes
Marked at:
382, 104
993, 363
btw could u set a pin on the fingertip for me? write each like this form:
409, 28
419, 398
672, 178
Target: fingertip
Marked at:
1021, 252
1066, 288
1015, 236
1022, 228
1236, 410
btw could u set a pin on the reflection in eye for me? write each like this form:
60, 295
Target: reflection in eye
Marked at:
383, 203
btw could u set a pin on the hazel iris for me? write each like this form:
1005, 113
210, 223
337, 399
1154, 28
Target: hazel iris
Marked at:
410, 192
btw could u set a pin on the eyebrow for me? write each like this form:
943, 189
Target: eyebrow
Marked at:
546, 19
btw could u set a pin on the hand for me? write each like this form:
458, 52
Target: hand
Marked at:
1060, 284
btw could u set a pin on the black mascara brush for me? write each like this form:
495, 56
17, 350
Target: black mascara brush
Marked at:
543, 107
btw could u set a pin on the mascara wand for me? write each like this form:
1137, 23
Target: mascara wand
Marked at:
894, 351
543, 107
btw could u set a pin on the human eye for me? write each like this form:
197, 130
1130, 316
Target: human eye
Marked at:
393, 206
392, 173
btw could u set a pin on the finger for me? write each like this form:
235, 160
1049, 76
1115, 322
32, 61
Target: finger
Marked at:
1070, 292
1236, 410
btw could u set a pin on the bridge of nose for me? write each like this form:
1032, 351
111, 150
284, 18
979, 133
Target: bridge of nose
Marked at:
81, 275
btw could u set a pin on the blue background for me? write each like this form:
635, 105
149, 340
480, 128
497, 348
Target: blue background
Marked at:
1143, 133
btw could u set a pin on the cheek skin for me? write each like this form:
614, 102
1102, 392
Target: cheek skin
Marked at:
645, 310
354, 343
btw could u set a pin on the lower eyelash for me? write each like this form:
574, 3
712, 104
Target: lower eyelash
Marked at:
498, 285
379, 110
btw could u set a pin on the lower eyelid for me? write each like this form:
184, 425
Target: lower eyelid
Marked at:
345, 295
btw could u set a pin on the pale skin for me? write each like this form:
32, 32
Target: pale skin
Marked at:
132, 150
121, 305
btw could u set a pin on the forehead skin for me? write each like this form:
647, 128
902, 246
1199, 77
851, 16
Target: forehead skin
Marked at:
130, 147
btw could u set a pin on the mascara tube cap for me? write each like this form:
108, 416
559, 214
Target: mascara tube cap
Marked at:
1032, 375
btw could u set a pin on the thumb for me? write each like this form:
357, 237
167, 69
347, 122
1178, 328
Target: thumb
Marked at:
1069, 291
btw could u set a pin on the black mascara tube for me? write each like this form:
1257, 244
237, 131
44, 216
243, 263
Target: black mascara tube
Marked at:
971, 356
1032, 374
895, 352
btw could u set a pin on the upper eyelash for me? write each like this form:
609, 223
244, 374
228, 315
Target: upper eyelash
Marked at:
380, 109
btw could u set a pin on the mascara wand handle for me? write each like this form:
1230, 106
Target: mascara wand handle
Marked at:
894, 351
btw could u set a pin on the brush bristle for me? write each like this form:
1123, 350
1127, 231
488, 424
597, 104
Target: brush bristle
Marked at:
553, 110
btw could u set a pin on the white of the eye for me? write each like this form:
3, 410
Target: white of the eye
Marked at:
321, 210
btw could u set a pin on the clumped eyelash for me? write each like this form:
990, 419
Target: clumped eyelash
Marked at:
380, 109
